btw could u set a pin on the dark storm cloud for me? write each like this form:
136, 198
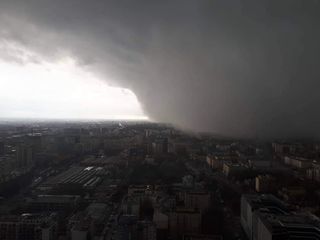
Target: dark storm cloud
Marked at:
244, 68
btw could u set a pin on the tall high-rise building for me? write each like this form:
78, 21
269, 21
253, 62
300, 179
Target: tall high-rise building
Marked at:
270, 225
264, 217
35, 140
253, 202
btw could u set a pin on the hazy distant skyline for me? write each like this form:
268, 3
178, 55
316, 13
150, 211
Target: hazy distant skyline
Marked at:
240, 68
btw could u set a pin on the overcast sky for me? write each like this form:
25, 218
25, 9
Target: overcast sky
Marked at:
240, 68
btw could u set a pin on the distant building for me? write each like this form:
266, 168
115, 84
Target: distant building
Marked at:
28, 227
160, 219
223, 147
265, 183
292, 193
216, 161
24, 156
230, 169
188, 181
212, 162
35, 140
127, 227
298, 162
75, 177
184, 221
132, 206
90, 223
54, 202
284, 148
281, 148
118, 143
139, 190
80, 233
146, 230
179, 145
259, 164
149, 160
160, 146
197, 199
202, 237
6, 167
313, 173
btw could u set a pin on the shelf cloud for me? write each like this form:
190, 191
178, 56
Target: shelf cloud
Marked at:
237, 68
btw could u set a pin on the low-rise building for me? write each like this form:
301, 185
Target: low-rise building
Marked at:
89, 223
230, 169
54, 202
146, 230
216, 161
197, 199
298, 162
28, 226
139, 190
313, 173
259, 164
202, 237
292, 193
183, 221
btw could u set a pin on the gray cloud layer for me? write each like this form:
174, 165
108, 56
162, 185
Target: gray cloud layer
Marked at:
242, 68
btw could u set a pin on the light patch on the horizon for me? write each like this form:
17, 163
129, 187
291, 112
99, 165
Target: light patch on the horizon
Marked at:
61, 90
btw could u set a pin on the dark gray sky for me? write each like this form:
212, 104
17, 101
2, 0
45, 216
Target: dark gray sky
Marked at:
240, 68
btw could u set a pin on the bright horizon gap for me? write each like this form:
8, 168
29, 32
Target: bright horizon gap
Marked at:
32, 89
113, 118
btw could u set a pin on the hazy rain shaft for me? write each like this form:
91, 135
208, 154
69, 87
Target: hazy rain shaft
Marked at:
236, 68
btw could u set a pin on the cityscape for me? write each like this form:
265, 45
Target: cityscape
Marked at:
142, 180
159, 120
